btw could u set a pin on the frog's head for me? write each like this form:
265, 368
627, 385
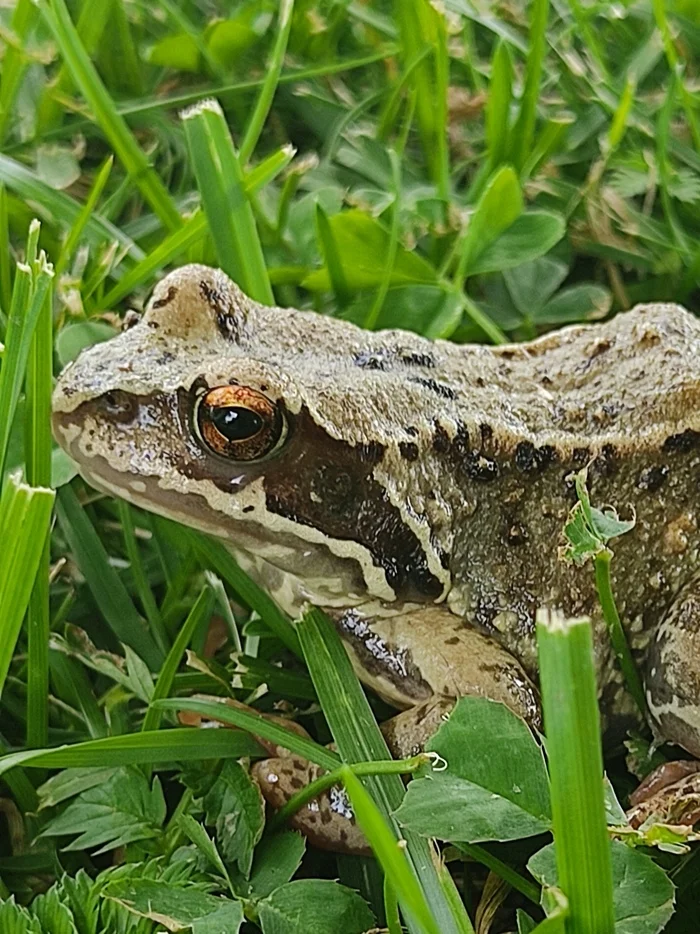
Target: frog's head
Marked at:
266, 426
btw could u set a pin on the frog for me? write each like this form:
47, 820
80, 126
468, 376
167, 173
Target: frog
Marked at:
415, 489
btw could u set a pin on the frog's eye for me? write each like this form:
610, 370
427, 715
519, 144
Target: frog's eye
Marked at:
238, 422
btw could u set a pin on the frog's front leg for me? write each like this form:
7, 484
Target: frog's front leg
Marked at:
673, 672
422, 660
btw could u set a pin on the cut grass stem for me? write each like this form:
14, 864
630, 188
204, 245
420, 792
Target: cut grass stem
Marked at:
574, 749
617, 634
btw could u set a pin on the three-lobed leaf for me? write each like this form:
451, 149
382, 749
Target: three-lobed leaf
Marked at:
643, 895
494, 785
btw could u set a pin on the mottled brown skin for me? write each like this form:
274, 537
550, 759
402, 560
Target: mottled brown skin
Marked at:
421, 487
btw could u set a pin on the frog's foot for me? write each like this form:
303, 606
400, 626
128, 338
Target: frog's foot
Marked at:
668, 795
673, 673
327, 821
427, 656
414, 657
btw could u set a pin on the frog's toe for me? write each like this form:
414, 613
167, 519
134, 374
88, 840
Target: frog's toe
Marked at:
327, 821
669, 795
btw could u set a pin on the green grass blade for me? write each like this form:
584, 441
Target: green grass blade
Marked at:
200, 612
170, 248
331, 256
572, 726
106, 586
675, 66
222, 186
524, 130
5, 269
139, 577
187, 98
270, 167
183, 744
86, 78
75, 231
71, 685
37, 436
29, 295
498, 105
24, 525
57, 204
14, 62
267, 91
91, 24
255, 724
422, 24
359, 740
215, 556
386, 848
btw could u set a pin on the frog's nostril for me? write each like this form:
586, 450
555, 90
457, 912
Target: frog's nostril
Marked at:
118, 404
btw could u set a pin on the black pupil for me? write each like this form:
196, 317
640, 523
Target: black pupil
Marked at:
236, 423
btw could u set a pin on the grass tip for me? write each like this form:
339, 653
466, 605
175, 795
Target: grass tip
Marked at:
553, 620
208, 104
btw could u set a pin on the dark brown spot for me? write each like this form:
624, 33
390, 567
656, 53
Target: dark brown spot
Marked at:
531, 459
326, 816
169, 296
580, 457
227, 321
130, 319
199, 385
409, 450
683, 442
606, 461
296, 782
371, 359
441, 440
486, 432
516, 535
248, 508
445, 392
652, 479
453, 640
419, 359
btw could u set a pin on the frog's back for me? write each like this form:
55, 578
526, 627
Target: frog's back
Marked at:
634, 381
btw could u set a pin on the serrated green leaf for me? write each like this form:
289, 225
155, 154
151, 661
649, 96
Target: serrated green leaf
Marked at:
17, 920
276, 860
177, 907
122, 810
53, 914
588, 529
234, 805
314, 906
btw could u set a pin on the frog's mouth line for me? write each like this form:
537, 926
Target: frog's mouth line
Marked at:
293, 570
